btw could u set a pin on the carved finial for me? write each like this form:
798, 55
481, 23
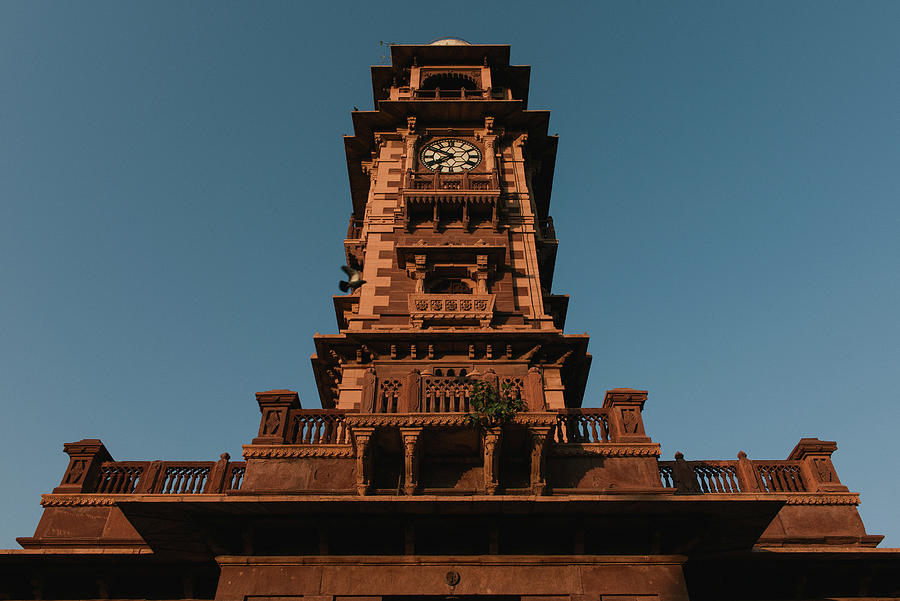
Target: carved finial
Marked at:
742, 455
679, 456
224, 456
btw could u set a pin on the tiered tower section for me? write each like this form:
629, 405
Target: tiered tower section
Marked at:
450, 179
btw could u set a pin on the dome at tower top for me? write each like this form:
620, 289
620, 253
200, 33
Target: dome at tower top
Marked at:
449, 42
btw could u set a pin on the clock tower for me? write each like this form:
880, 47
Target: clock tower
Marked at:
450, 183
389, 491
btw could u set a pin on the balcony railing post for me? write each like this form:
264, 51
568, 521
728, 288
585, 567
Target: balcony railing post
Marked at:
747, 477
147, 483
273, 407
85, 458
625, 406
215, 483
816, 466
684, 476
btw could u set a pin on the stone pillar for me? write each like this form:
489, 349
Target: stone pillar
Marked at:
625, 421
491, 444
85, 458
534, 390
539, 437
818, 471
367, 395
274, 406
410, 459
412, 393
362, 441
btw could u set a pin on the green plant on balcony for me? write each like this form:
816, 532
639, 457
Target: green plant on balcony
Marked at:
489, 407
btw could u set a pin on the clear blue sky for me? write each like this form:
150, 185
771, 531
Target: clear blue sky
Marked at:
173, 196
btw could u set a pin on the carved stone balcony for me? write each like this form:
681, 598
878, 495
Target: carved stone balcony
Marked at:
451, 308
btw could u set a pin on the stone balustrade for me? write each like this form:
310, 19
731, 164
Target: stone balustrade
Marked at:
794, 475
451, 307
92, 470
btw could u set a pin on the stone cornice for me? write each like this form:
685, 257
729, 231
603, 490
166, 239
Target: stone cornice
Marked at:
294, 451
823, 499
83, 500
437, 419
606, 449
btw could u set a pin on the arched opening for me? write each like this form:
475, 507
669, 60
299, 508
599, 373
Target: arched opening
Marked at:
449, 286
448, 81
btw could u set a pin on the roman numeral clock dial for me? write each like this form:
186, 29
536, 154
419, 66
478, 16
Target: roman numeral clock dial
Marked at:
450, 156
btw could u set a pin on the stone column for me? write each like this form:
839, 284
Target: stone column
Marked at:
410, 459
412, 392
362, 441
491, 444
539, 438
818, 470
85, 458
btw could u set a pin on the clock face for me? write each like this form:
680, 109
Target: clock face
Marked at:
450, 155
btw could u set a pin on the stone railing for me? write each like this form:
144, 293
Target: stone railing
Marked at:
167, 477
316, 426
457, 94
581, 426
743, 475
446, 394
451, 307
451, 182
354, 228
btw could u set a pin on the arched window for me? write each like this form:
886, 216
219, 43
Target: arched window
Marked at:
448, 81
449, 286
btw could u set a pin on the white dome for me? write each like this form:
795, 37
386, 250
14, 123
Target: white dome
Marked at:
449, 42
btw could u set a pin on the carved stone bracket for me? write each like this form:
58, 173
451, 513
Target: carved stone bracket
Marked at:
410, 459
491, 439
